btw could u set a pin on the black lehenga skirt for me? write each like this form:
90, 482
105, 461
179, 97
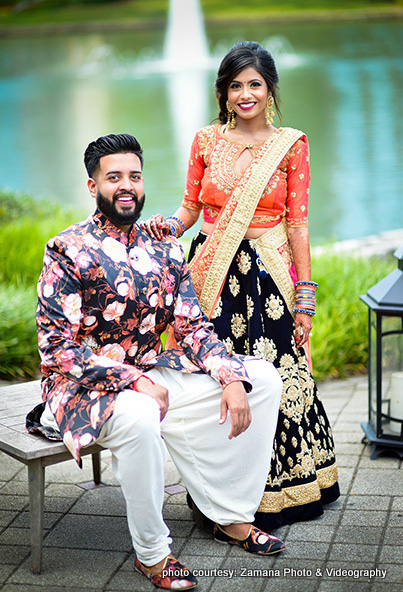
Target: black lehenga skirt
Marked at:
252, 318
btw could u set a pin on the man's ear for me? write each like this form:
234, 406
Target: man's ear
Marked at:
92, 187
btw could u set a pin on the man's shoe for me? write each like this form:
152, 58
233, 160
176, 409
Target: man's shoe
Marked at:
257, 541
173, 575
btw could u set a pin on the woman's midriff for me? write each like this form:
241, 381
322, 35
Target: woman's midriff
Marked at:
250, 233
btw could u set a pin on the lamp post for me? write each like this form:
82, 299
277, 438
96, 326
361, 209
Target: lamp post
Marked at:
384, 428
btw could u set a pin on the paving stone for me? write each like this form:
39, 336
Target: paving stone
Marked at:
343, 586
397, 504
171, 475
382, 462
48, 520
346, 476
209, 547
70, 472
342, 552
177, 512
349, 448
206, 569
394, 572
308, 531
15, 487
329, 518
91, 532
285, 585
129, 581
346, 460
303, 550
14, 555
6, 517
70, 568
36, 588
391, 553
395, 519
63, 490
363, 517
378, 481
236, 585
348, 437
58, 504
9, 467
106, 501
368, 502
380, 587
244, 562
181, 528
393, 535
364, 534
14, 536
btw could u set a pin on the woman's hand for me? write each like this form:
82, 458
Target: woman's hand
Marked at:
156, 226
303, 326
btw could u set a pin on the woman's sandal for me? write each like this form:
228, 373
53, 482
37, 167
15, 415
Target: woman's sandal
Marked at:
257, 541
173, 575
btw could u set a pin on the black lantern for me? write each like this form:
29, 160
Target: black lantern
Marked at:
384, 428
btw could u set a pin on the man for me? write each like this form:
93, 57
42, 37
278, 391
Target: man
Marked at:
106, 294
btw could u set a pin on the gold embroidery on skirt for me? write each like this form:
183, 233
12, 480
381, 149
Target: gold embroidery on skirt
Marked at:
299, 495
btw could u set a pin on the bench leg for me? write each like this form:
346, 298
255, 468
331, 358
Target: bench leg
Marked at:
36, 484
96, 467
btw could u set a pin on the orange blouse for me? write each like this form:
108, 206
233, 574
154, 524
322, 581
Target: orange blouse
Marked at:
212, 177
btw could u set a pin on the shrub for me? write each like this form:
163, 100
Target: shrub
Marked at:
18, 343
339, 340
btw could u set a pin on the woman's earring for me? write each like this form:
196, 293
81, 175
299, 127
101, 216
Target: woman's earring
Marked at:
269, 113
231, 123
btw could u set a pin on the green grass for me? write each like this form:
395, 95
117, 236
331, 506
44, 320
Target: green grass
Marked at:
18, 343
339, 340
75, 11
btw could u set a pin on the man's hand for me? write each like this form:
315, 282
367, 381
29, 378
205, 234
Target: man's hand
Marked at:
235, 401
156, 391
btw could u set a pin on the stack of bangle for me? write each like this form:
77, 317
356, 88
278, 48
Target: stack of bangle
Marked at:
176, 225
305, 297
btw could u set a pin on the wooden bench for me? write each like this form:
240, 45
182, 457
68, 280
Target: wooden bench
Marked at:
36, 452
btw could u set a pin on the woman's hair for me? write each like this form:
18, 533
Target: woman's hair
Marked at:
244, 55
112, 144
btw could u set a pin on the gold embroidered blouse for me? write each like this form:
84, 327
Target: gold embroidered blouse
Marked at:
212, 177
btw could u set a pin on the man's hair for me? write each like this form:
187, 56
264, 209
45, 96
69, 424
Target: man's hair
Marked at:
111, 144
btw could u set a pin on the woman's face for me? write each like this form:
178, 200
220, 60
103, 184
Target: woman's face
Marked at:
247, 94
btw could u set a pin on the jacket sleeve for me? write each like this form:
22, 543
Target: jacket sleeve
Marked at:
200, 344
58, 322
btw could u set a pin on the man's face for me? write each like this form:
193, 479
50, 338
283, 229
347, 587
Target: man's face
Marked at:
118, 188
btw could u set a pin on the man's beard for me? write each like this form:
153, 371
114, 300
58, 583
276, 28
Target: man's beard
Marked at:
108, 208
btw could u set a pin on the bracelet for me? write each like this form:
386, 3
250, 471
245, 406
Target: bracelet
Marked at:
134, 383
305, 297
177, 225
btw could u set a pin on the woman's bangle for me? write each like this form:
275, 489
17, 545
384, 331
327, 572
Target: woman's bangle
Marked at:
305, 298
176, 225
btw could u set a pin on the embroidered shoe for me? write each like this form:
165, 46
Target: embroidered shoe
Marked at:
173, 575
257, 541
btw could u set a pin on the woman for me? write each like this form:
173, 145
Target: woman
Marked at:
251, 267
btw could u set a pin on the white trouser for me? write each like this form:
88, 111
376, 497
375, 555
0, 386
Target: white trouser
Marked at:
226, 478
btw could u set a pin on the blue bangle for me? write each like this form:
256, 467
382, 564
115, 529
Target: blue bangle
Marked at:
178, 220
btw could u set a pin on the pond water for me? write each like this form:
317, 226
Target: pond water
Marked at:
340, 83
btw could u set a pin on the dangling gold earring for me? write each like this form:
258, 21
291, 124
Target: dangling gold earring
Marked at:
269, 113
231, 123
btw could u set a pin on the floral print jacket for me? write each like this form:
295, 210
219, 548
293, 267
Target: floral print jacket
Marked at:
104, 299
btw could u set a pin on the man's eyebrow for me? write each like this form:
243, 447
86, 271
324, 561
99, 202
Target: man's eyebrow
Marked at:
119, 172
